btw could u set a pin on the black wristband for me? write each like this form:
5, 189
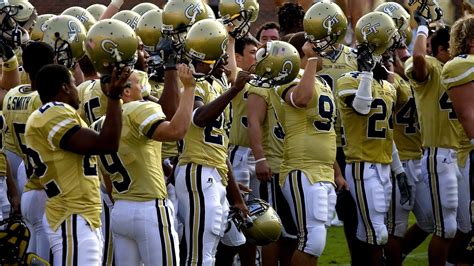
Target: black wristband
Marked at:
114, 97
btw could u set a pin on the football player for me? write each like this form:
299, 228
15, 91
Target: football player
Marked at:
18, 105
440, 135
55, 130
457, 76
325, 26
239, 152
307, 176
201, 175
138, 182
366, 101
266, 136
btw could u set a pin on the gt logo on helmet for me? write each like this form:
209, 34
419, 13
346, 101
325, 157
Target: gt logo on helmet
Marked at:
111, 48
192, 11
82, 17
389, 9
73, 30
132, 23
370, 29
330, 21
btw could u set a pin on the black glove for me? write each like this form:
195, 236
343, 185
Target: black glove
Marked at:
406, 188
365, 60
167, 52
6, 52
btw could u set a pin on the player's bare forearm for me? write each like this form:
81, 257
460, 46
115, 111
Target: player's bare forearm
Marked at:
303, 93
169, 99
233, 192
112, 9
420, 69
231, 62
207, 113
178, 126
10, 79
256, 113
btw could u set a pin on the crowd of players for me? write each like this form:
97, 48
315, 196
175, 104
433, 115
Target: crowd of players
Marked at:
187, 140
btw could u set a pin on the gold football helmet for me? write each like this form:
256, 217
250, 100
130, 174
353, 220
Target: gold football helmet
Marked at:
179, 16
401, 18
429, 9
266, 226
142, 8
38, 29
377, 30
325, 25
206, 42
278, 63
130, 18
106, 48
84, 16
17, 17
26, 14
149, 28
96, 10
66, 34
240, 14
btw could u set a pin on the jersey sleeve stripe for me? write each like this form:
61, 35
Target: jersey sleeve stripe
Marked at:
347, 92
56, 128
153, 127
148, 120
460, 77
68, 135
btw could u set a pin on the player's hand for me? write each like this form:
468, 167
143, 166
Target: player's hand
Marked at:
310, 50
167, 52
263, 171
243, 188
242, 78
15, 206
365, 60
242, 210
6, 52
420, 19
406, 188
114, 87
341, 183
186, 76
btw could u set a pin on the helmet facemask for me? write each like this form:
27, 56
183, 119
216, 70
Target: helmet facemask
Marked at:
63, 52
11, 30
213, 64
241, 23
425, 9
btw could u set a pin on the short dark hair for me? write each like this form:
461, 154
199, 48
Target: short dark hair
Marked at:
440, 38
290, 17
50, 79
35, 56
298, 40
267, 26
242, 42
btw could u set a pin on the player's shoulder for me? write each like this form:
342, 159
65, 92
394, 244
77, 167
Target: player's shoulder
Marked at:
458, 71
51, 111
20, 90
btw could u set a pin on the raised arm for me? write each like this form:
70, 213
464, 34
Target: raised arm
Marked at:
10, 73
87, 141
420, 68
179, 124
205, 114
301, 95
112, 9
